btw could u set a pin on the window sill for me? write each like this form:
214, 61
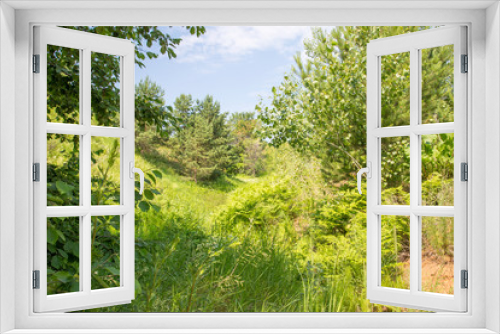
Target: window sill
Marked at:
251, 331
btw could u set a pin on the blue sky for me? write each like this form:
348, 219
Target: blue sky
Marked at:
234, 64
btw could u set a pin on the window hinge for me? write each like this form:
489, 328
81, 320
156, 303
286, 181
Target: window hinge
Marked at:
36, 172
465, 64
36, 279
464, 171
36, 63
465, 279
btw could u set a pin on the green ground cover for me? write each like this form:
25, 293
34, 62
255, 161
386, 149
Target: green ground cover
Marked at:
245, 214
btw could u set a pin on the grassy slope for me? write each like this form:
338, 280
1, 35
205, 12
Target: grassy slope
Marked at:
186, 262
189, 260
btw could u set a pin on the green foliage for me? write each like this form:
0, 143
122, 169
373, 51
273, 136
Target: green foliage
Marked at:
437, 155
290, 240
437, 84
395, 249
63, 183
395, 164
438, 236
320, 107
269, 201
105, 248
63, 163
105, 171
63, 233
214, 247
333, 216
63, 254
63, 76
249, 151
150, 100
203, 144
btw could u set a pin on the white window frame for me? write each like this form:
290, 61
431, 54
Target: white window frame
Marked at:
85, 43
483, 102
412, 44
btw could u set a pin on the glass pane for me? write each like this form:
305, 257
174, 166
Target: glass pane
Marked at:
63, 255
63, 170
105, 171
437, 84
395, 252
437, 169
105, 252
395, 89
395, 171
437, 254
105, 89
63, 85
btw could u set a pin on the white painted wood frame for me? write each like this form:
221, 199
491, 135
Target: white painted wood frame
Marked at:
413, 43
482, 18
86, 43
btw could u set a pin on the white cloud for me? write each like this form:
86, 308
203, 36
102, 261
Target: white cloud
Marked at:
232, 43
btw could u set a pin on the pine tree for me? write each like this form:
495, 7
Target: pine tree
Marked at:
202, 145
249, 151
193, 149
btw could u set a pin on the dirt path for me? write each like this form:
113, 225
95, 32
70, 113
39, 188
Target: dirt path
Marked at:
437, 273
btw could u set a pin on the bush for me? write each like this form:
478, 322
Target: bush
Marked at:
265, 202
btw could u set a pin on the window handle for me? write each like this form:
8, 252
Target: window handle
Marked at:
368, 171
133, 171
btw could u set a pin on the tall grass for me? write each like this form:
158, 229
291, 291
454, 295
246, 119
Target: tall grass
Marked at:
283, 242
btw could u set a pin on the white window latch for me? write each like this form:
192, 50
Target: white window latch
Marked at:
134, 170
368, 171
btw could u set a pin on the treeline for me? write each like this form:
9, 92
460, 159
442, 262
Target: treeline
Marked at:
319, 108
204, 141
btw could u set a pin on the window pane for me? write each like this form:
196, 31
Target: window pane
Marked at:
437, 169
63, 170
437, 84
395, 252
105, 89
437, 254
105, 252
395, 89
63, 85
105, 171
63, 255
395, 171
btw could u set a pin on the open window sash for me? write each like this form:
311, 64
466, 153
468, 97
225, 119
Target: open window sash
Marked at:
414, 296
76, 289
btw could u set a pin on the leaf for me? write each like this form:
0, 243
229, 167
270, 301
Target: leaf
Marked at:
56, 262
144, 206
113, 270
158, 173
148, 194
152, 177
61, 235
138, 288
63, 276
52, 235
64, 188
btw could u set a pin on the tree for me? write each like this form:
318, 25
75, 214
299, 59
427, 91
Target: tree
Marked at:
183, 109
202, 144
63, 106
320, 107
249, 152
150, 98
150, 93
193, 149
63, 76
